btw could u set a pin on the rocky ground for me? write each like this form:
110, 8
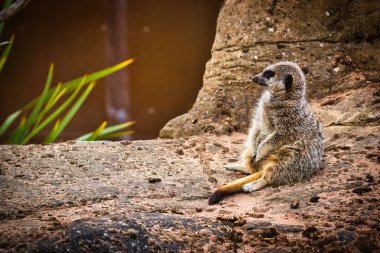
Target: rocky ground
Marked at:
149, 196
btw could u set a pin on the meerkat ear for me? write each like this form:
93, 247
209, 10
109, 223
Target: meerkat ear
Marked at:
288, 82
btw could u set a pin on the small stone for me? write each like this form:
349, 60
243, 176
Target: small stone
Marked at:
212, 180
126, 143
305, 70
294, 204
351, 228
314, 199
269, 240
328, 239
198, 209
132, 233
269, 233
48, 155
240, 222
179, 151
311, 232
361, 190
369, 178
345, 236
154, 180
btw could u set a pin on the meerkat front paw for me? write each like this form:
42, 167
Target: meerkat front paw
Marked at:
237, 167
255, 185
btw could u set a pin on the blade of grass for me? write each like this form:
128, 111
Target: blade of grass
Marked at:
54, 134
115, 135
6, 4
71, 85
5, 54
52, 101
56, 125
15, 134
55, 114
32, 119
109, 130
97, 132
33, 116
57, 89
9, 120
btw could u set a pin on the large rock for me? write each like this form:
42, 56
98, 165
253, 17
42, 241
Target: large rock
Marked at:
335, 42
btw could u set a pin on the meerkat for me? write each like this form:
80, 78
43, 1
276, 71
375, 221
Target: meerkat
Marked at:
285, 141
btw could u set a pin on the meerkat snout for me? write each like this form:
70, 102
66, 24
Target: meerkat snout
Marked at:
259, 80
266, 78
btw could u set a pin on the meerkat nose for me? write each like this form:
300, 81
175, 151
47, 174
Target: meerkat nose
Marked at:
254, 79
257, 79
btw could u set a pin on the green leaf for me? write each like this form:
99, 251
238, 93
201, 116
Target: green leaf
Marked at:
109, 130
5, 54
6, 4
9, 121
53, 98
56, 125
55, 114
52, 101
54, 134
14, 137
73, 84
115, 135
97, 132
33, 118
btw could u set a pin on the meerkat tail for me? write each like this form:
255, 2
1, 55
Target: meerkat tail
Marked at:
233, 187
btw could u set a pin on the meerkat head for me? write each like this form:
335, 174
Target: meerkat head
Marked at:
283, 78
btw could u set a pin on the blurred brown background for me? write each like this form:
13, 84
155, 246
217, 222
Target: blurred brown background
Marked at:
170, 40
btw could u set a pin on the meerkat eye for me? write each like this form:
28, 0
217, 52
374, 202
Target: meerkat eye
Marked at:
268, 74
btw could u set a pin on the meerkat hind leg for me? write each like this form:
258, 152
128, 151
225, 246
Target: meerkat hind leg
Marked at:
237, 167
255, 185
266, 168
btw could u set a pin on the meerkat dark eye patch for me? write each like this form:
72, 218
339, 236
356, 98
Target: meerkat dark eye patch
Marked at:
268, 74
288, 82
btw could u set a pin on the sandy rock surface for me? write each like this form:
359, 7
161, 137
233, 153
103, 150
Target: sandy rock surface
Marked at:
148, 196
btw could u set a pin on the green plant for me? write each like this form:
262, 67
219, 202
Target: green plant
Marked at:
7, 50
43, 110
